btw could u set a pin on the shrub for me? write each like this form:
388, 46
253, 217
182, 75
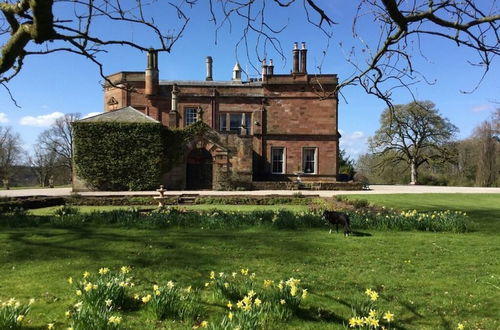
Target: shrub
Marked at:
66, 210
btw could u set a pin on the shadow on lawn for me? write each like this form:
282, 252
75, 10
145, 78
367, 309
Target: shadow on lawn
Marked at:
179, 249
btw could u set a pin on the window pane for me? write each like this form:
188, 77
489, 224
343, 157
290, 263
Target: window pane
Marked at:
309, 160
277, 160
248, 122
222, 122
190, 116
235, 122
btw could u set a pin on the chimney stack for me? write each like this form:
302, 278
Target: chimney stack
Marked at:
295, 55
270, 68
264, 69
151, 74
303, 58
209, 62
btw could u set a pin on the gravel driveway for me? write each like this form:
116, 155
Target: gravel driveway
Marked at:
374, 189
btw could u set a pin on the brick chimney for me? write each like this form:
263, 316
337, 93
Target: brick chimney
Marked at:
264, 69
151, 77
303, 58
208, 62
270, 68
295, 56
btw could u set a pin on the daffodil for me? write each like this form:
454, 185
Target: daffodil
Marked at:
20, 318
229, 305
86, 274
230, 316
304, 294
212, 275
50, 326
460, 326
388, 316
204, 324
78, 292
282, 301
146, 299
114, 320
108, 302
257, 302
70, 280
125, 269
103, 271
170, 284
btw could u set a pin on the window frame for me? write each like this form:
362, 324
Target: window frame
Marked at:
196, 114
283, 160
315, 169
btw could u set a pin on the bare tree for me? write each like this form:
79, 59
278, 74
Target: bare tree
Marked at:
415, 134
59, 139
43, 162
10, 153
40, 27
488, 148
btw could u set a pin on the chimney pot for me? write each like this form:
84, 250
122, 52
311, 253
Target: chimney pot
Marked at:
295, 57
209, 62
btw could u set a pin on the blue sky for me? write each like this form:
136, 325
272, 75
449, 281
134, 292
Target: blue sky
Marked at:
51, 85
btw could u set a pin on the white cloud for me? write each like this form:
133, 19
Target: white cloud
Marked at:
42, 120
3, 118
91, 114
354, 143
482, 107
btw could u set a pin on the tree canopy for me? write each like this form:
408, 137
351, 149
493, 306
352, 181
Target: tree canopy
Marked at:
41, 27
413, 133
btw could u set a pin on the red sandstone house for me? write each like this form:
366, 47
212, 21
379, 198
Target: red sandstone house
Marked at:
266, 131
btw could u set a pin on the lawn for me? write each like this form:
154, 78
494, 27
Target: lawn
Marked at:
240, 208
428, 280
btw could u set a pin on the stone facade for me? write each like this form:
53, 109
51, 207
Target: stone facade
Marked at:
265, 129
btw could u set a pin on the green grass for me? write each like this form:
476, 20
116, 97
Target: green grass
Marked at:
240, 208
429, 280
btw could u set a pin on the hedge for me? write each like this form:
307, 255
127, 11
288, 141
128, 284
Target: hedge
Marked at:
128, 156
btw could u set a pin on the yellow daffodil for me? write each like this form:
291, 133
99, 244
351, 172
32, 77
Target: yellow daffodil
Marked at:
20, 318
234, 274
304, 294
114, 320
146, 299
70, 280
372, 313
374, 296
226, 285
50, 326
204, 324
293, 291
67, 313
229, 305
108, 302
78, 292
125, 269
155, 287
157, 292
373, 322
170, 284
212, 275
230, 316
460, 326
32, 301
88, 287
136, 296
388, 316
251, 293
86, 274
282, 301
257, 302
352, 322
103, 271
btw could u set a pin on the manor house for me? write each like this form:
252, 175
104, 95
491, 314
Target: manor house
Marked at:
265, 131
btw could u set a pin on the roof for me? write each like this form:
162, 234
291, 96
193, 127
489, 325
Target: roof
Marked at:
233, 83
123, 115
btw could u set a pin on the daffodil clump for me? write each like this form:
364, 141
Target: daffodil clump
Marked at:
252, 302
367, 316
99, 297
436, 221
13, 313
170, 301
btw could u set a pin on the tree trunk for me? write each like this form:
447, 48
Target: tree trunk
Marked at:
414, 174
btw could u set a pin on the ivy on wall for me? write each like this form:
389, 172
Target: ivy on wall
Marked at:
128, 156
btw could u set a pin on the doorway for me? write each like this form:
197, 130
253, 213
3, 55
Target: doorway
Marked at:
199, 169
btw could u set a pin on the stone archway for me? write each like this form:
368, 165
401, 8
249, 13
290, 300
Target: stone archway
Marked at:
199, 169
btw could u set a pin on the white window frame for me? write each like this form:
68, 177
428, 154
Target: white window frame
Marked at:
315, 170
283, 160
186, 110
